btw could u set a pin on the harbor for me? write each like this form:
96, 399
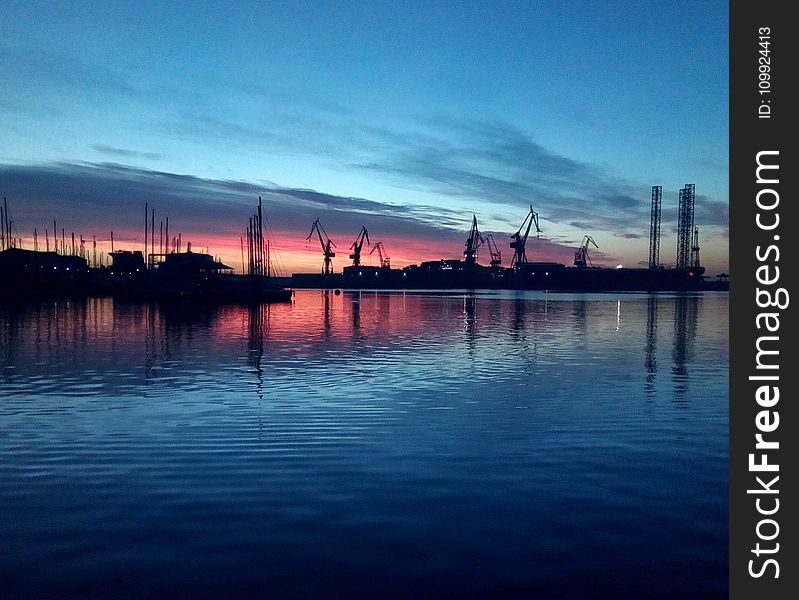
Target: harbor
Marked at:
396, 300
163, 269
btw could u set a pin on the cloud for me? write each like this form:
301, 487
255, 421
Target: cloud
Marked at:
711, 212
498, 163
473, 163
100, 197
59, 74
124, 153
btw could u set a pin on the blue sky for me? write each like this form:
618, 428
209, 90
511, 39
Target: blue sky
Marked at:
429, 111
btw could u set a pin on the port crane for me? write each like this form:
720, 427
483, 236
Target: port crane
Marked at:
363, 236
519, 240
493, 249
385, 261
581, 258
327, 246
473, 242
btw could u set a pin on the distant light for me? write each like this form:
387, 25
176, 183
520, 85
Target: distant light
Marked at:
547, 273
619, 266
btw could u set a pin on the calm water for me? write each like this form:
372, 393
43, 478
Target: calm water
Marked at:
375, 445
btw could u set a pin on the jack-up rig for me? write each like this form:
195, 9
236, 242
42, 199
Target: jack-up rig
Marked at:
688, 232
654, 227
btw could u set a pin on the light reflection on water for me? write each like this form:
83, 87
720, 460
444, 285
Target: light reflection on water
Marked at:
569, 445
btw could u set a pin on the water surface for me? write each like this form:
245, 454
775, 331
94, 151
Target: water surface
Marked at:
424, 445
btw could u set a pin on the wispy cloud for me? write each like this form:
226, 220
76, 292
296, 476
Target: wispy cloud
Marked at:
494, 162
712, 212
470, 162
125, 153
108, 195
60, 73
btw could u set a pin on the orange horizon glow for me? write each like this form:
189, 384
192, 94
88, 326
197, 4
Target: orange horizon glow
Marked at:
293, 253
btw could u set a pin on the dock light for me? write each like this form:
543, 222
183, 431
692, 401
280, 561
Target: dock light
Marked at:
619, 266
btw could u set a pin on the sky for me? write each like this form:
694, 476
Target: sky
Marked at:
405, 117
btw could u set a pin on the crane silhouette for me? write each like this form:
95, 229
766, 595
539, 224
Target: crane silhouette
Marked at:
581, 258
385, 261
519, 240
327, 246
363, 236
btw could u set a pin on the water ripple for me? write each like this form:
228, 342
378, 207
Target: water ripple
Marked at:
483, 442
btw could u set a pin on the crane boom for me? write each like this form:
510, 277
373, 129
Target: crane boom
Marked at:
357, 245
581, 258
519, 240
473, 242
327, 246
493, 249
385, 261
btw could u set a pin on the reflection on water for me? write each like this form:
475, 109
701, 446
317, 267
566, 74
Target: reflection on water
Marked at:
469, 322
356, 314
462, 444
650, 353
686, 312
